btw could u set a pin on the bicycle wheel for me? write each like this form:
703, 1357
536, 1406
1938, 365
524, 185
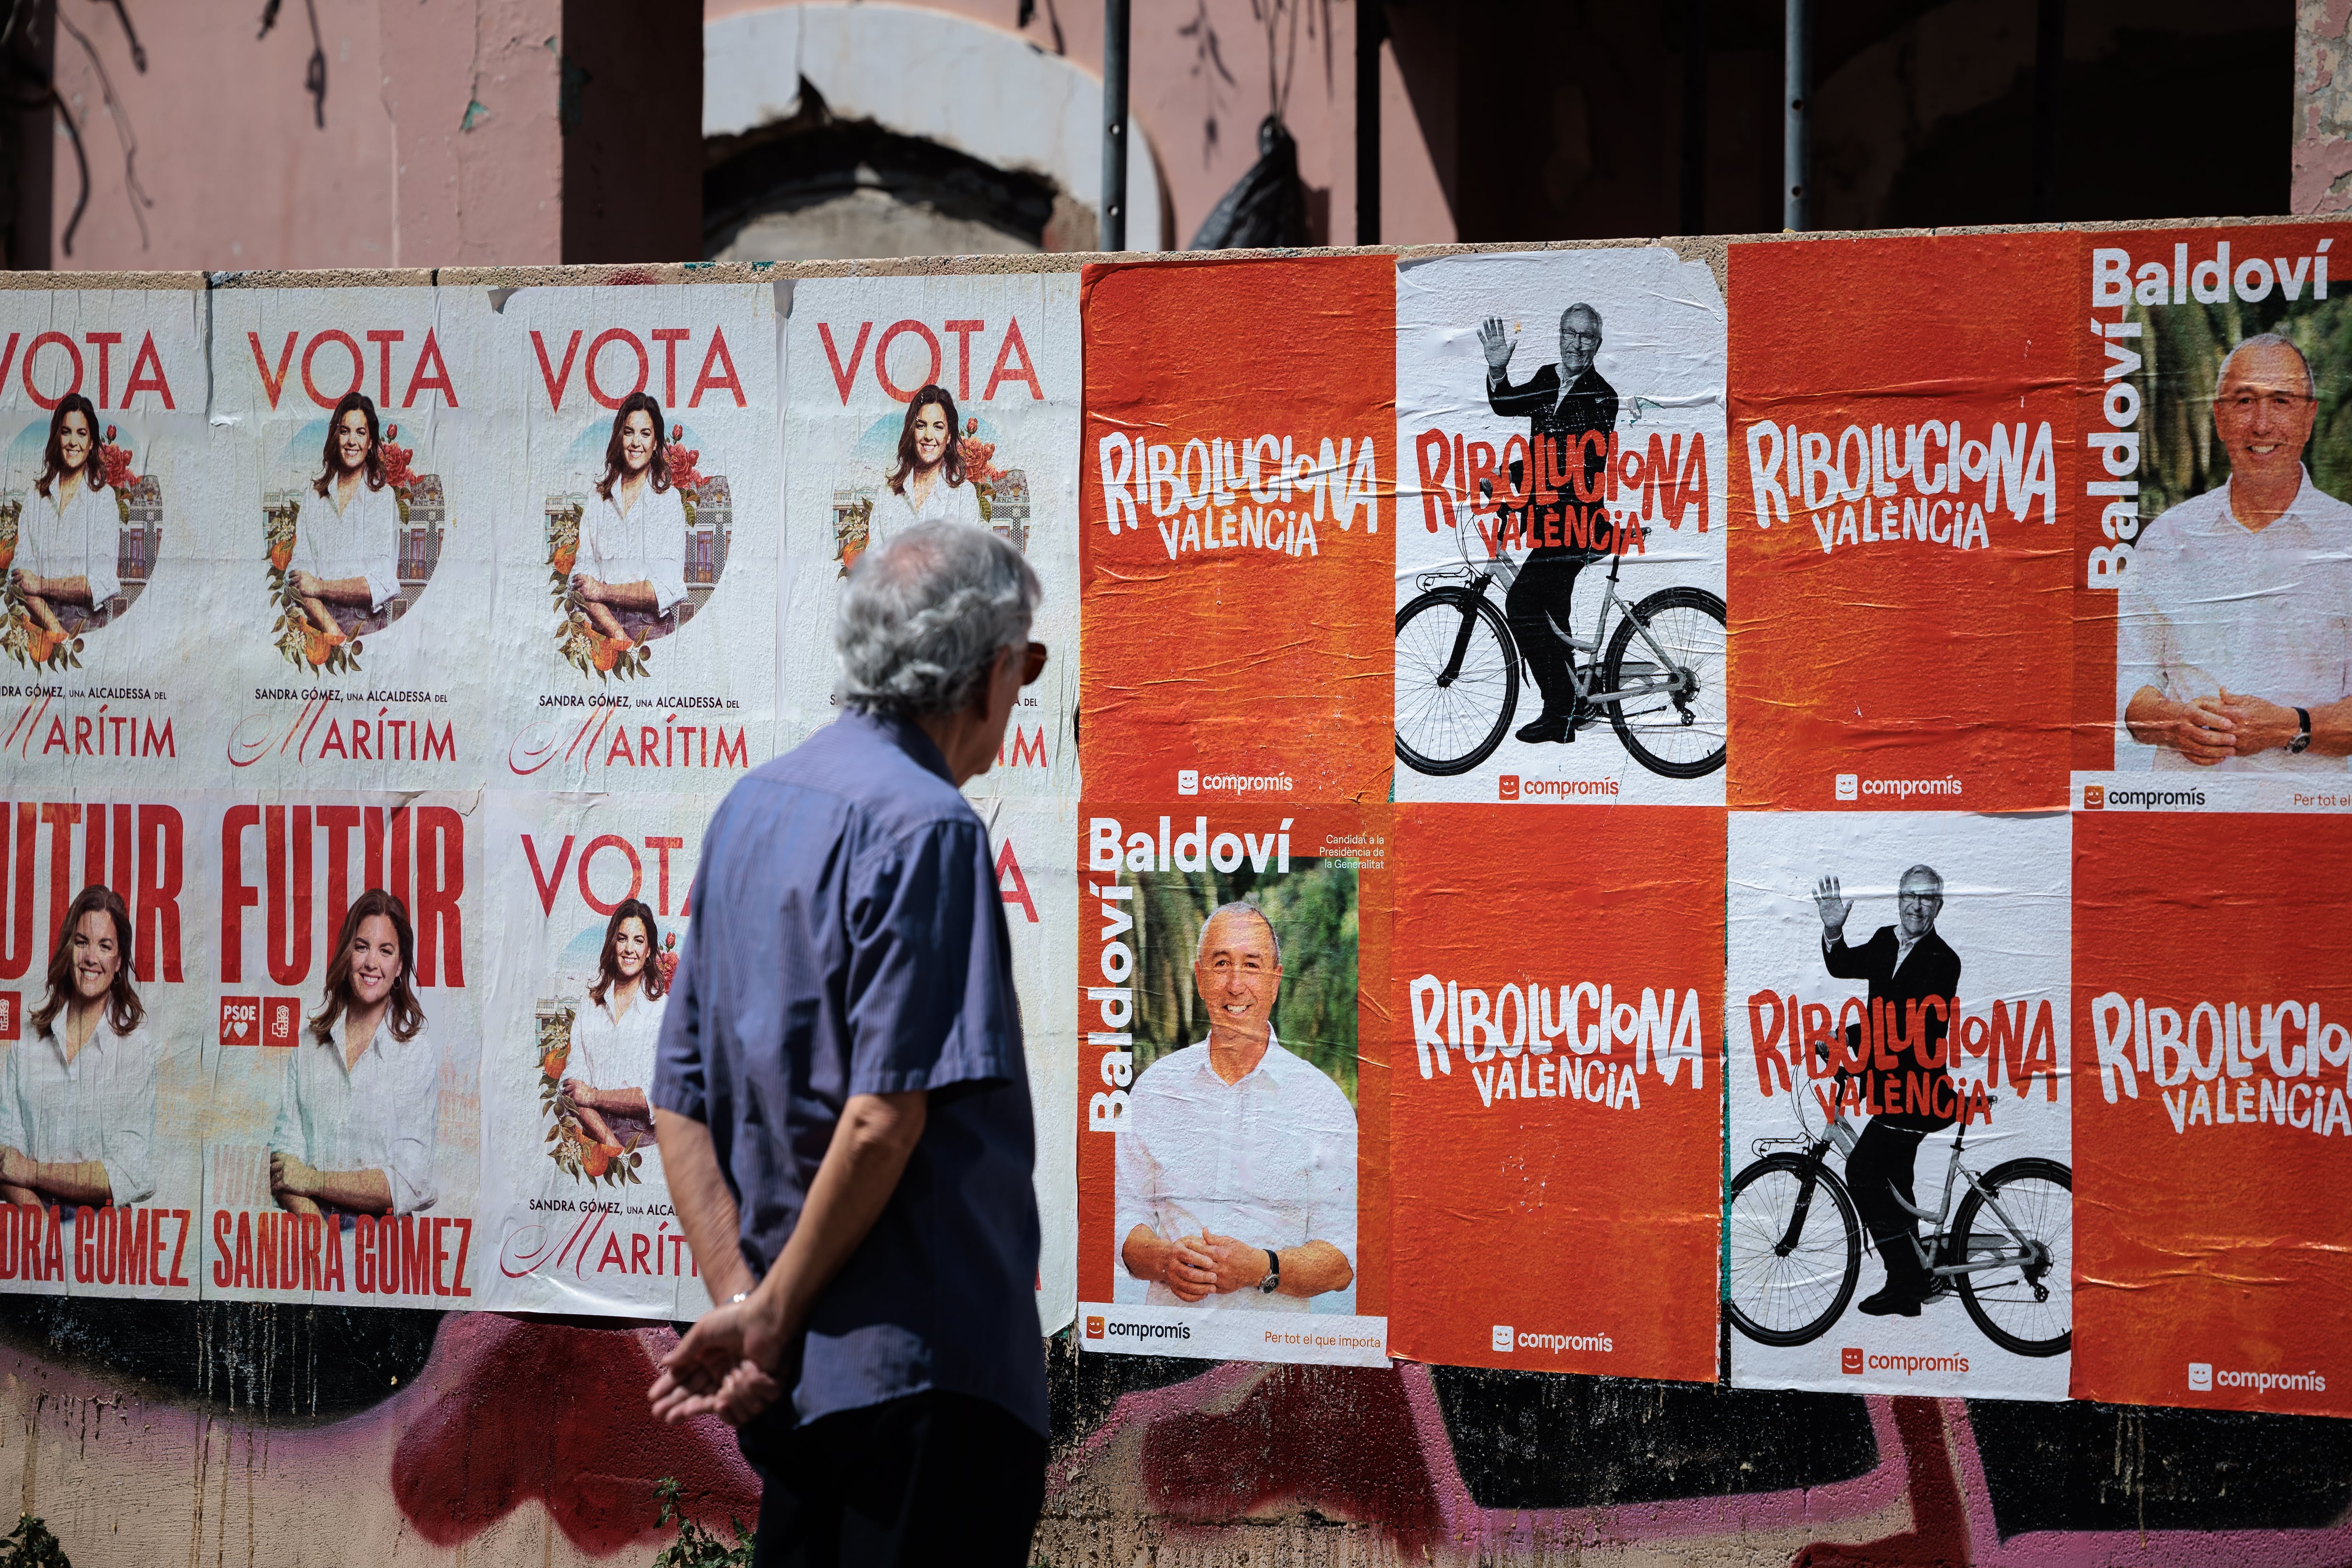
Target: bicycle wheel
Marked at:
1681, 735
1786, 1289
1448, 725
2027, 1308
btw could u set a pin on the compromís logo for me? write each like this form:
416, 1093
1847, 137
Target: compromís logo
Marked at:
1503, 1339
1849, 1359
1506, 787
2095, 797
1094, 1327
1115, 1329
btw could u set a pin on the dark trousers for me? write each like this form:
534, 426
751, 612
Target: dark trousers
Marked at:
928, 1479
1879, 1168
1541, 596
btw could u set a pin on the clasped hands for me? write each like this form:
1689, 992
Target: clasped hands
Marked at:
1213, 1265
2209, 729
731, 1365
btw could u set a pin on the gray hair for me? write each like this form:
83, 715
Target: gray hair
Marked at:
1201, 942
1922, 870
924, 617
1572, 310
2271, 341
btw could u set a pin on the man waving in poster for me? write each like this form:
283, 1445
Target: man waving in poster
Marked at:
1237, 1166
1561, 403
1904, 963
2234, 622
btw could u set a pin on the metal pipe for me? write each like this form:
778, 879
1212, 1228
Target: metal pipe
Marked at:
1694, 181
1370, 27
1114, 176
1796, 129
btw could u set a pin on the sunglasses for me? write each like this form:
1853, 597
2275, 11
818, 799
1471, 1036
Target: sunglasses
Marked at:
1032, 664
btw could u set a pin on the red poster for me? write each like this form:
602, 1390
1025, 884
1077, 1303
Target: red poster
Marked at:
1237, 481
2213, 1036
1556, 1102
1903, 474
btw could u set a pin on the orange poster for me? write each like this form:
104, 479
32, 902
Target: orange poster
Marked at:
1557, 1102
2212, 1038
1236, 504
1903, 478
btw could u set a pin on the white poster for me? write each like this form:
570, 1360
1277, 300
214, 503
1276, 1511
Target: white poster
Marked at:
590, 893
637, 563
348, 542
1559, 561
1896, 1005
949, 399
104, 524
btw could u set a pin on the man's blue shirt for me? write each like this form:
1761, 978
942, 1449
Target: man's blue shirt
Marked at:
847, 939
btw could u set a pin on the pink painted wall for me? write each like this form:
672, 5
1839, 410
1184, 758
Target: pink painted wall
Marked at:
441, 144
1203, 127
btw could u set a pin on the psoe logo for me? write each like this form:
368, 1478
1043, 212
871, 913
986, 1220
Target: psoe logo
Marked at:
1188, 781
240, 1021
1849, 786
2200, 1377
2095, 797
1849, 1359
1093, 1328
1506, 787
1504, 1338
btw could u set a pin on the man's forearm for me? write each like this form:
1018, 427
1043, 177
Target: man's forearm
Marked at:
1145, 1254
871, 1145
2331, 730
706, 1208
353, 1192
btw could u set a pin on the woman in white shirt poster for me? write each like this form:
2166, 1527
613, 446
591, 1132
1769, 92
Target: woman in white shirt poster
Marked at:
77, 1094
613, 1039
928, 484
356, 1123
346, 566
70, 534
630, 573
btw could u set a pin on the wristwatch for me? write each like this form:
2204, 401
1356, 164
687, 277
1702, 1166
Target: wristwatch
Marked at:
2296, 746
1273, 1281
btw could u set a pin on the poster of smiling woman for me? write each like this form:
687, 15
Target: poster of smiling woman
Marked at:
936, 399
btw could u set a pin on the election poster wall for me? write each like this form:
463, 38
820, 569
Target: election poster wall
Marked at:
1234, 484
2215, 632
339, 1169
920, 399
638, 569
1899, 1216
2211, 1050
348, 542
105, 477
1902, 468
1232, 1147
1556, 1108
1559, 547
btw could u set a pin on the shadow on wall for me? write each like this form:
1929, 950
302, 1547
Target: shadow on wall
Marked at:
464, 1430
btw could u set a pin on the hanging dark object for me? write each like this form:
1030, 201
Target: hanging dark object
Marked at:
1267, 206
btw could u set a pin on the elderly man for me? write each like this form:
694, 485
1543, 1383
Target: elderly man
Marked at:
1904, 963
842, 1102
2234, 621
1561, 403
1237, 1166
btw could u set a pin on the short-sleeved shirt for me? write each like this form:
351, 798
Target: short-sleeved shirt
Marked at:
1269, 1160
378, 1115
2208, 603
99, 1106
848, 939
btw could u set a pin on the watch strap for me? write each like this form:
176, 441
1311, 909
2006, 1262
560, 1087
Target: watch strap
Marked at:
2303, 740
1273, 1281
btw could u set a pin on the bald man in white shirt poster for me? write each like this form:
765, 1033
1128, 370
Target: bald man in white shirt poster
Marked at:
1237, 1165
2233, 630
